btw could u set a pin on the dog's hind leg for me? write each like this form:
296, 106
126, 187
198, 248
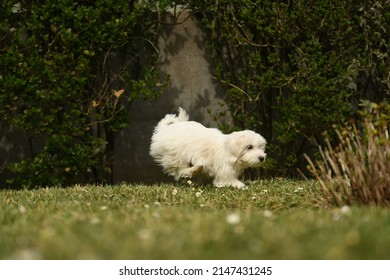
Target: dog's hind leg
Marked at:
189, 172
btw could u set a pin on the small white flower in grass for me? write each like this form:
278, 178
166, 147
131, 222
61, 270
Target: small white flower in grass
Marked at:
267, 213
146, 206
103, 208
190, 183
95, 221
22, 209
27, 254
298, 190
157, 203
345, 210
199, 193
336, 216
144, 233
174, 192
233, 219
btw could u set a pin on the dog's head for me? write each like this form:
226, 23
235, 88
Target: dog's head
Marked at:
248, 147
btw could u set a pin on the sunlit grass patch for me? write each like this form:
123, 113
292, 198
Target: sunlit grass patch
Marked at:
273, 219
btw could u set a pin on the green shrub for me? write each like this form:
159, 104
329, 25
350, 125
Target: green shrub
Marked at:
63, 67
293, 69
357, 170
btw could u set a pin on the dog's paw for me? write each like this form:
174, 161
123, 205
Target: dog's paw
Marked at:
239, 185
235, 184
244, 187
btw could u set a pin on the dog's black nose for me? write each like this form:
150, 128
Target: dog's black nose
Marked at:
261, 158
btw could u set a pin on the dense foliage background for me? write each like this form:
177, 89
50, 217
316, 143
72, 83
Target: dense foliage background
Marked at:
68, 69
295, 68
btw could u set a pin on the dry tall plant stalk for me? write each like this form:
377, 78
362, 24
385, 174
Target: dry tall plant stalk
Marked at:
358, 169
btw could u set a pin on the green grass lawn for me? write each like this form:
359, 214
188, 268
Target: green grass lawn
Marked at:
273, 219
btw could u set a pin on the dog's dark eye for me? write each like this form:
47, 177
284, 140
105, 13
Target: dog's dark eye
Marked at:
249, 147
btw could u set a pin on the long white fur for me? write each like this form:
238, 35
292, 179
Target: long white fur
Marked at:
184, 148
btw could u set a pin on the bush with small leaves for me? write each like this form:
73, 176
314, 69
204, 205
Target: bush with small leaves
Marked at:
68, 71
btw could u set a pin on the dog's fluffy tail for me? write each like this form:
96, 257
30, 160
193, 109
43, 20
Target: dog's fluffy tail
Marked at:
171, 118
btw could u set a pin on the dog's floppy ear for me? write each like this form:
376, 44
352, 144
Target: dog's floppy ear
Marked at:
234, 143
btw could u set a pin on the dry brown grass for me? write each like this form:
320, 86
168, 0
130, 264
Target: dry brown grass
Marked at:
358, 169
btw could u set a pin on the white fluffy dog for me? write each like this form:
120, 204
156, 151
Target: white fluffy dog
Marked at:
184, 148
